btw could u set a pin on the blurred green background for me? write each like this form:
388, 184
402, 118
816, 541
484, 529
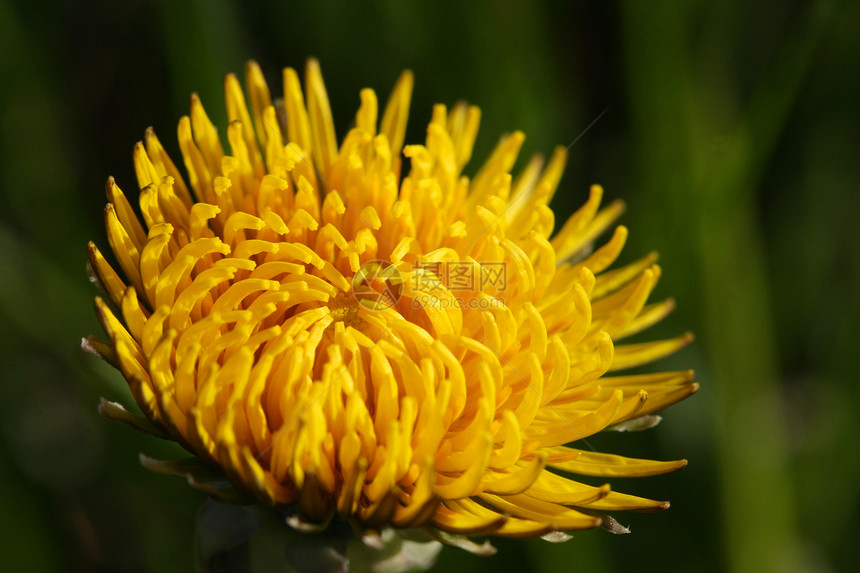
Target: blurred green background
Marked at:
732, 132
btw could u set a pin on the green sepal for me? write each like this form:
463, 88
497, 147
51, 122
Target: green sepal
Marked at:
636, 424
200, 476
118, 413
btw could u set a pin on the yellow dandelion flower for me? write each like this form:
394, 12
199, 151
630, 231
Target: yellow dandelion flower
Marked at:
412, 350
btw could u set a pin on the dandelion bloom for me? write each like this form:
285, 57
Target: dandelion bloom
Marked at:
335, 337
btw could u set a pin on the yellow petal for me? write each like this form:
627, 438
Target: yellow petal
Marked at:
397, 112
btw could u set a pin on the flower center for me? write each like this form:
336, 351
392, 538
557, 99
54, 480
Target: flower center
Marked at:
344, 308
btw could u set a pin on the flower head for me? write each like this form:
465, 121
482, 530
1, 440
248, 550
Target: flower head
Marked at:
340, 335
